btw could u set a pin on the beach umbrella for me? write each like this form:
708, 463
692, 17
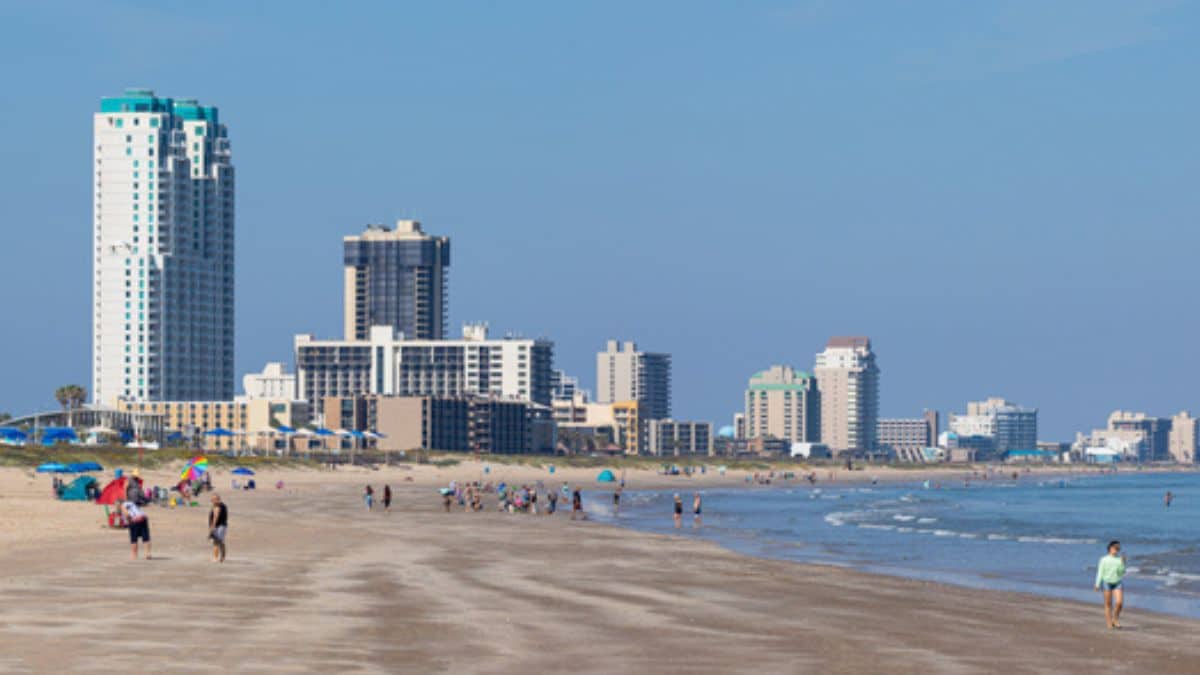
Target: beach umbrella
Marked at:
376, 434
305, 432
218, 432
606, 476
285, 429
243, 471
322, 431
52, 467
194, 468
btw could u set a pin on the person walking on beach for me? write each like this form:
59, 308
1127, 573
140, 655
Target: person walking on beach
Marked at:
1110, 577
369, 498
696, 511
617, 501
678, 511
551, 497
387, 498
139, 527
576, 503
218, 523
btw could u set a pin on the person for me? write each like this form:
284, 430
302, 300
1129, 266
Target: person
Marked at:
1110, 577
218, 523
1168, 498
552, 497
369, 498
696, 511
387, 498
617, 501
139, 527
533, 500
576, 503
678, 511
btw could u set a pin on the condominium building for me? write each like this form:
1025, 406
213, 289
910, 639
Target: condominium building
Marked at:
782, 403
1181, 441
162, 251
246, 422
673, 438
908, 437
1135, 435
995, 426
563, 387
848, 384
273, 383
462, 423
629, 421
625, 374
397, 278
509, 368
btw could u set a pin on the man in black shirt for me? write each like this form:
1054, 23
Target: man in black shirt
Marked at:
218, 520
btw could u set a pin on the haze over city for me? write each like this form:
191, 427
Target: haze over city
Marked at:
1001, 198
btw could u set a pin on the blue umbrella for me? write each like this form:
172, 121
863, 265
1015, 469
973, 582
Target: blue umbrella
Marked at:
218, 432
322, 431
284, 429
52, 467
243, 471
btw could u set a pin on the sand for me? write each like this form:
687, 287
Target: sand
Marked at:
315, 584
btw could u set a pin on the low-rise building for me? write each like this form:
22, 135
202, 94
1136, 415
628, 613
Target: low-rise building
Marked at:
250, 424
907, 438
671, 438
274, 383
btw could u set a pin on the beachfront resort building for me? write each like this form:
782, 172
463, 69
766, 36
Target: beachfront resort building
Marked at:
908, 438
225, 425
162, 251
781, 403
848, 385
511, 368
273, 383
1132, 436
625, 374
668, 437
1181, 441
451, 423
397, 278
995, 426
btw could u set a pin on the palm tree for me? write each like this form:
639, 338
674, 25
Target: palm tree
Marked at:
70, 397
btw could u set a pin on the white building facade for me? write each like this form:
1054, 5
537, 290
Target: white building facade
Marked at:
163, 218
274, 383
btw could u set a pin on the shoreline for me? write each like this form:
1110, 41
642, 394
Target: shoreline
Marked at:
314, 583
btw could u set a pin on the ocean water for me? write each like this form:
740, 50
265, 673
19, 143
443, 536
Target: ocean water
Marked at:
1033, 534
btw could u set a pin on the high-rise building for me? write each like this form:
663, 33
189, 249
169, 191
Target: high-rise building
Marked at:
1182, 438
848, 383
396, 278
625, 374
162, 285
782, 403
1154, 432
509, 368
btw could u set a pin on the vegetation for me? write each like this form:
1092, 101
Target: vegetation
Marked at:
4, 417
111, 457
71, 398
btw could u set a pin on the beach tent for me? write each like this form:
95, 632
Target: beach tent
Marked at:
114, 492
77, 491
606, 476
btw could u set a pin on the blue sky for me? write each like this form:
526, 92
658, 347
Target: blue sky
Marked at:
1001, 195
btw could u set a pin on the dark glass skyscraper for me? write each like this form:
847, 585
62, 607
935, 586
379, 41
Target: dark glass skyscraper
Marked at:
396, 278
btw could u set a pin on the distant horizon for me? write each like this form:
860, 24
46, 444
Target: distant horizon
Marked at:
1008, 214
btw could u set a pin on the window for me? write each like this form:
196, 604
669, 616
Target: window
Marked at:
154, 121
121, 123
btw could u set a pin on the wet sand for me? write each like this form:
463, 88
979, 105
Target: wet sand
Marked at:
314, 583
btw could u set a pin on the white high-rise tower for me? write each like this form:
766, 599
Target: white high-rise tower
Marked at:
162, 322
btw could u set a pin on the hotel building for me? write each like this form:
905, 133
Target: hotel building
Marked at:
162, 251
625, 374
782, 403
848, 383
397, 278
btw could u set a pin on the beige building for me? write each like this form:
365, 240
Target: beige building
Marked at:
848, 385
672, 438
249, 421
625, 374
630, 426
782, 403
1182, 439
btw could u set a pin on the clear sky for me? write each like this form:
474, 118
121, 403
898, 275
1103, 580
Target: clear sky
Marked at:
1003, 196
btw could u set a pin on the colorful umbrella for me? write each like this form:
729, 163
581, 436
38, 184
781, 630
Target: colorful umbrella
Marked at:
194, 468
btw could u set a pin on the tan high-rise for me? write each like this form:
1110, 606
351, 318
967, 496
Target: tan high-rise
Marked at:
1182, 439
782, 403
848, 383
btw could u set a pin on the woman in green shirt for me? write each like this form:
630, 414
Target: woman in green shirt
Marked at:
1110, 575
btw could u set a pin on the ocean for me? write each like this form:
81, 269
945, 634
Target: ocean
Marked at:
1033, 534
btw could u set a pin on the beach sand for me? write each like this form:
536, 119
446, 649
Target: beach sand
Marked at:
314, 583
